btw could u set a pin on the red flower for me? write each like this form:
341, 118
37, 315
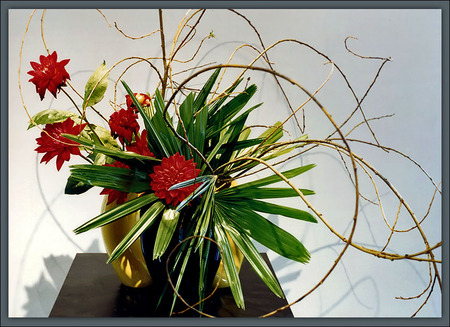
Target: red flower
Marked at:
140, 145
143, 99
49, 74
173, 170
123, 123
114, 195
53, 144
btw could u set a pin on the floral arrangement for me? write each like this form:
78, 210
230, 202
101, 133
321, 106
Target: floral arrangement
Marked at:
184, 154
171, 166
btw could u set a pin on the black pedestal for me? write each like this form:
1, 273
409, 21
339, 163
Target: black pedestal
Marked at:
92, 289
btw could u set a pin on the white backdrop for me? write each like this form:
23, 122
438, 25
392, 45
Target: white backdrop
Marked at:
41, 217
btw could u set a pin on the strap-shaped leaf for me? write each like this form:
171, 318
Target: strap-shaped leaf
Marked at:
109, 151
185, 126
198, 139
252, 255
166, 135
235, 129
240, 145
121, 179
166, 229
146, 220
263, 193
216, 104
200, 100
208, 182
158, 146
276, 209
226, 113
271, 179
117, 212
267, 233
228, 262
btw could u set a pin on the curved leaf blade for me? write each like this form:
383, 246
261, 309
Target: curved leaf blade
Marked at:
146, 220
228, 261
267, 233
252, 255
117, 212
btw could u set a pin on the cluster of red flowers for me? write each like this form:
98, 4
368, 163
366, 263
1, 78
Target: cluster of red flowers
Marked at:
51, 75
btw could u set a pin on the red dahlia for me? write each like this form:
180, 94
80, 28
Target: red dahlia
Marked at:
140, 145
114, 195
173, 170
49, 74
53, 144
143, 99
123, 123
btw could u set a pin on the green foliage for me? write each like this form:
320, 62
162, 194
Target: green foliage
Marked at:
214, 134
51, 116
96, 86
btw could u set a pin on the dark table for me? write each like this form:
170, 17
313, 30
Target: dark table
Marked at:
92, 289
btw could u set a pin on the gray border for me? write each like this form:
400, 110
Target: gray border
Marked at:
5, 5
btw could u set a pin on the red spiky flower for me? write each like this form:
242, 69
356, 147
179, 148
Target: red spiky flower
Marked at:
123, 124
114, 195
143, 99
53, 144
140, 145
49, 74
173, 170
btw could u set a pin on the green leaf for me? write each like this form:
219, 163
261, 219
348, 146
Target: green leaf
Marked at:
275, 209
266, 233
272, 179
112, 152
198, 139
103, 134
226, 113
223, 97
74, 186
117, 212
51, 116
166, 134
186, 123
165, 231
263, 193
208, 182
239, 145
156, 143
96, 86
145, 221
200, 100
228, 262
121, 179
252, 255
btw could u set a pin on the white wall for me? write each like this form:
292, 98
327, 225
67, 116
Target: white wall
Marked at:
41, 217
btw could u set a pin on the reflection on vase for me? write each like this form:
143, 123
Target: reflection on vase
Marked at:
130, 267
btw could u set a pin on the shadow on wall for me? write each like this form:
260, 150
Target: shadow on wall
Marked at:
42, 295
